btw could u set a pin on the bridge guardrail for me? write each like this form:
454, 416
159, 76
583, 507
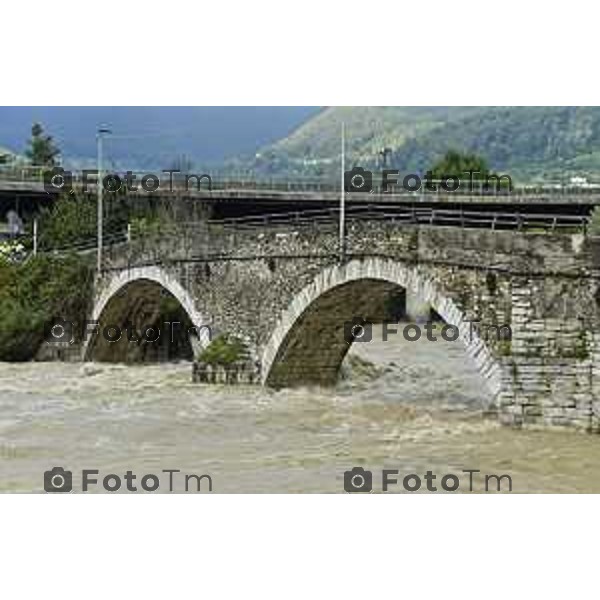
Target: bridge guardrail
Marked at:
416, 216
402, 216
89, 244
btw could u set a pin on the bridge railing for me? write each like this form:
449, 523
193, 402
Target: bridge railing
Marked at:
24, 173
415, 216
311, 218
119, 243
89, 244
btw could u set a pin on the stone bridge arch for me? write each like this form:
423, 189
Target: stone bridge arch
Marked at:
127, 290
291, 341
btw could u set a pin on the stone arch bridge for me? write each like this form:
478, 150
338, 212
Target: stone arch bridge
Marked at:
290, 295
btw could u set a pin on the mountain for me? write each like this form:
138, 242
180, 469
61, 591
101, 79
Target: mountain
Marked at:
368, 129
528, 143
154, 137
525, 142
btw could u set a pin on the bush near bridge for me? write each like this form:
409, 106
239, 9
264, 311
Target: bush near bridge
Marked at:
73, 220
12, 251
223, 351
35, 292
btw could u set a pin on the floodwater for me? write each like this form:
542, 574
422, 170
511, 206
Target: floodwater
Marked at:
410, 406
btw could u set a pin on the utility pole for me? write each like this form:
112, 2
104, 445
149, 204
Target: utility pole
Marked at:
101, 132
384, 152
35, 236
343, 199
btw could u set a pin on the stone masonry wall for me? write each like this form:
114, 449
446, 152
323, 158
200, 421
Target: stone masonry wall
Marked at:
544, 286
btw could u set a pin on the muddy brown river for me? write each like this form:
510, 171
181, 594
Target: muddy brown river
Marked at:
407, 406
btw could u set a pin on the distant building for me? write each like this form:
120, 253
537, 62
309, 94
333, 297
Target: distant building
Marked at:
579, 181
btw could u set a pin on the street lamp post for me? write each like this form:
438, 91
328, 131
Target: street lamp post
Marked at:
102, 131
384, 152
342, 243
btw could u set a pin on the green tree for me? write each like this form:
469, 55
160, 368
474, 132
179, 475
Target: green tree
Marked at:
34, 293
456, 164
42, 151
468, 168
73, 219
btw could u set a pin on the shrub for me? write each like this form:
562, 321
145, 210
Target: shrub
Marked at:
224, 350
11, 251
145, 226
73, 220
35, 292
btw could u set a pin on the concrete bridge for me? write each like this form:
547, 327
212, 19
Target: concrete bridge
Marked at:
24, 190
290, 295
